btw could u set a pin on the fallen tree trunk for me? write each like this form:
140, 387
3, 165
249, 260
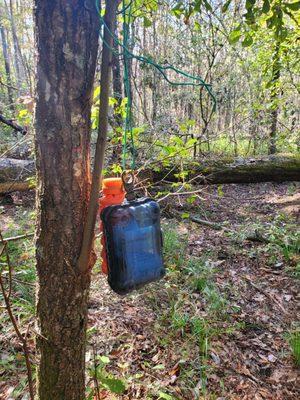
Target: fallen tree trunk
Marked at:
275, 168
16, 175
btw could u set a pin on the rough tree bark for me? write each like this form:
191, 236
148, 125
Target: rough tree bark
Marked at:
67, 42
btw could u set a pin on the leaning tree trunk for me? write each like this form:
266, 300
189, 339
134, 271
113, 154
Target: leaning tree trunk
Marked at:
67, 43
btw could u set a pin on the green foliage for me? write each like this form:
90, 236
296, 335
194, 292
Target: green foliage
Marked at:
283, 241
24, 117
294, 342
165, 396
104, 378
174, 247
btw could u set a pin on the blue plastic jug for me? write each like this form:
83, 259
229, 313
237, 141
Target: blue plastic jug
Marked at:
133, 240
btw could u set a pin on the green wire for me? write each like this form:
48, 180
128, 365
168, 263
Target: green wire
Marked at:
195, 81
128, 119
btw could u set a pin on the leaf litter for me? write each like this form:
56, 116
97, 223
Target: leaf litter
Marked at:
215, 328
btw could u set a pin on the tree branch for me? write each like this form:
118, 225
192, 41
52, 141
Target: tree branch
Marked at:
13, 125
83, 263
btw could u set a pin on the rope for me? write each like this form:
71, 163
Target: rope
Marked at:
127, 55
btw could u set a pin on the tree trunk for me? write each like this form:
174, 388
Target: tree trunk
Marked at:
14, 174
67, 43
118, 95
7, 69
274, 98
277, 168
17, 50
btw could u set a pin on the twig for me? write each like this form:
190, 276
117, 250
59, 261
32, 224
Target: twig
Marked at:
19, 281
6, 85
96, 383
179, 193
268, 295
14, 238
213, 225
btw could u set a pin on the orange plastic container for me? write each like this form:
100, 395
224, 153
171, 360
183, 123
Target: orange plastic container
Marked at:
113, 193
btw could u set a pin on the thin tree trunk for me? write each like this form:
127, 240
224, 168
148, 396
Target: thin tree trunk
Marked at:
274, 99
7, 69
155, 80
10, 12
118, 95
84, 260
67, 42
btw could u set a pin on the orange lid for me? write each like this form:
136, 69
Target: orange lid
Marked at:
112, 185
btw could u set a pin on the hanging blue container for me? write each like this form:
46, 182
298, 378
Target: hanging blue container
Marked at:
133, 240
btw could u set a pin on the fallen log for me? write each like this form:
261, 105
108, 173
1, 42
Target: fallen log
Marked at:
275, 168
16, 175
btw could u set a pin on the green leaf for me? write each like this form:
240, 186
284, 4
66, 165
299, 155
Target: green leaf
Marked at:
247, 41
104, 359
191, 199
250, 4
271, 21
165, 396
147, 22
90, 394
266, 6
178, 10
197, 26
112, 101
114, 385
207, 5
159, 366
225, 6
235, 36
295, 6
185, 215
197, 6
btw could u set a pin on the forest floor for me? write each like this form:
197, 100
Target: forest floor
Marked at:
222, 325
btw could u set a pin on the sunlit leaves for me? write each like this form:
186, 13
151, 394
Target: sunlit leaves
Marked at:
248, 40
235, 35
294, 6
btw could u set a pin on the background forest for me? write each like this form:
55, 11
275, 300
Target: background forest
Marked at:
254, 74
204, 105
